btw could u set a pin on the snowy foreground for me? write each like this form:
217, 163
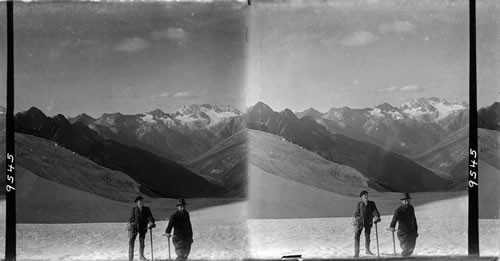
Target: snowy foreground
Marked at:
223, 233
442, 229
219, 233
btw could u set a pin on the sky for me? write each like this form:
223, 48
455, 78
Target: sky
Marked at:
363, 53
95, 58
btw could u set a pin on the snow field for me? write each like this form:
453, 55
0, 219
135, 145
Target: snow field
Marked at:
442, 232
219, 233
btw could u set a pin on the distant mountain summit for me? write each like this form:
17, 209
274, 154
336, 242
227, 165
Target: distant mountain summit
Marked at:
84, 118
202, 116
489, 117
432, 108
311, 112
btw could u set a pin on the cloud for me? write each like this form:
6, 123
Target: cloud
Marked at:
185, 95
171, 33
408, 88
411, 88
390, 89
132, 45
397, 27
360, 38
161, 95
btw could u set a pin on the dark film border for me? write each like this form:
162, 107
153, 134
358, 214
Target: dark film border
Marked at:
10, 197
473, 143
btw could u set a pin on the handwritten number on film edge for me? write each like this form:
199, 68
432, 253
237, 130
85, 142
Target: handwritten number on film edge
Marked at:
10, 168
473, 164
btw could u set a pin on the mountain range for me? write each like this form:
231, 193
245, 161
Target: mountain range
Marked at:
180, 136
382, 167
154, 173
408, 129
203, 150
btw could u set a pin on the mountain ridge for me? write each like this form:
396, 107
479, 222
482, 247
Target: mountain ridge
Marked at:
141, 165
379, 165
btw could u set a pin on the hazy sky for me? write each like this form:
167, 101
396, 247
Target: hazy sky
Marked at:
72, 58
363, 53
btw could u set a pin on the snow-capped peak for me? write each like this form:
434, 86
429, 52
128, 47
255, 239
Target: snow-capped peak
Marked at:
204, 115
384, 110
432, 108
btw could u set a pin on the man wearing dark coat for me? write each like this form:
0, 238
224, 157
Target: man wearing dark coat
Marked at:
365, 212
183, 232
407, 228
140, 220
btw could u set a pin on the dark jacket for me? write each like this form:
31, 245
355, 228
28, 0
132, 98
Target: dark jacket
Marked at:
181, 223
367, 213
141, 219
405, 215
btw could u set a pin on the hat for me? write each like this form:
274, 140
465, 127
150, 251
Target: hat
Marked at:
138, 198
181, 201
406, 196
363, 193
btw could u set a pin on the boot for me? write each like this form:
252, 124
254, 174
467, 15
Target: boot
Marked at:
367, 247
141, 254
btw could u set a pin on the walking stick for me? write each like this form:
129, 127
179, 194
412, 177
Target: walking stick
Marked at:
169, 258
393, 242
151, 234
376, 234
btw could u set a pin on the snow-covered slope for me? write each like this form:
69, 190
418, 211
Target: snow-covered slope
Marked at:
442, 222
432, 108
220, 233
204, 116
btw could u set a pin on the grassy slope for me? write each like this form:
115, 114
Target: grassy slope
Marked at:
273, 155
60, 165
271, 196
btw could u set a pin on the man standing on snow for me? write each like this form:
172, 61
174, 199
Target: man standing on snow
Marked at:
407, 229
140, 220
183, 232
365, 212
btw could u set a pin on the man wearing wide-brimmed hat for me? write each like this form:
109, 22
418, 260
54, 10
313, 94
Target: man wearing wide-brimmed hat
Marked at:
407, 228
366, 213
140, 220
183, 232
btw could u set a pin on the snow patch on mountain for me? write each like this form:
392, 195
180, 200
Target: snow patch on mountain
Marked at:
148, 118
396, 115
376, 112
194, 116
433, 109
205, 115
382, 113
445, 110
